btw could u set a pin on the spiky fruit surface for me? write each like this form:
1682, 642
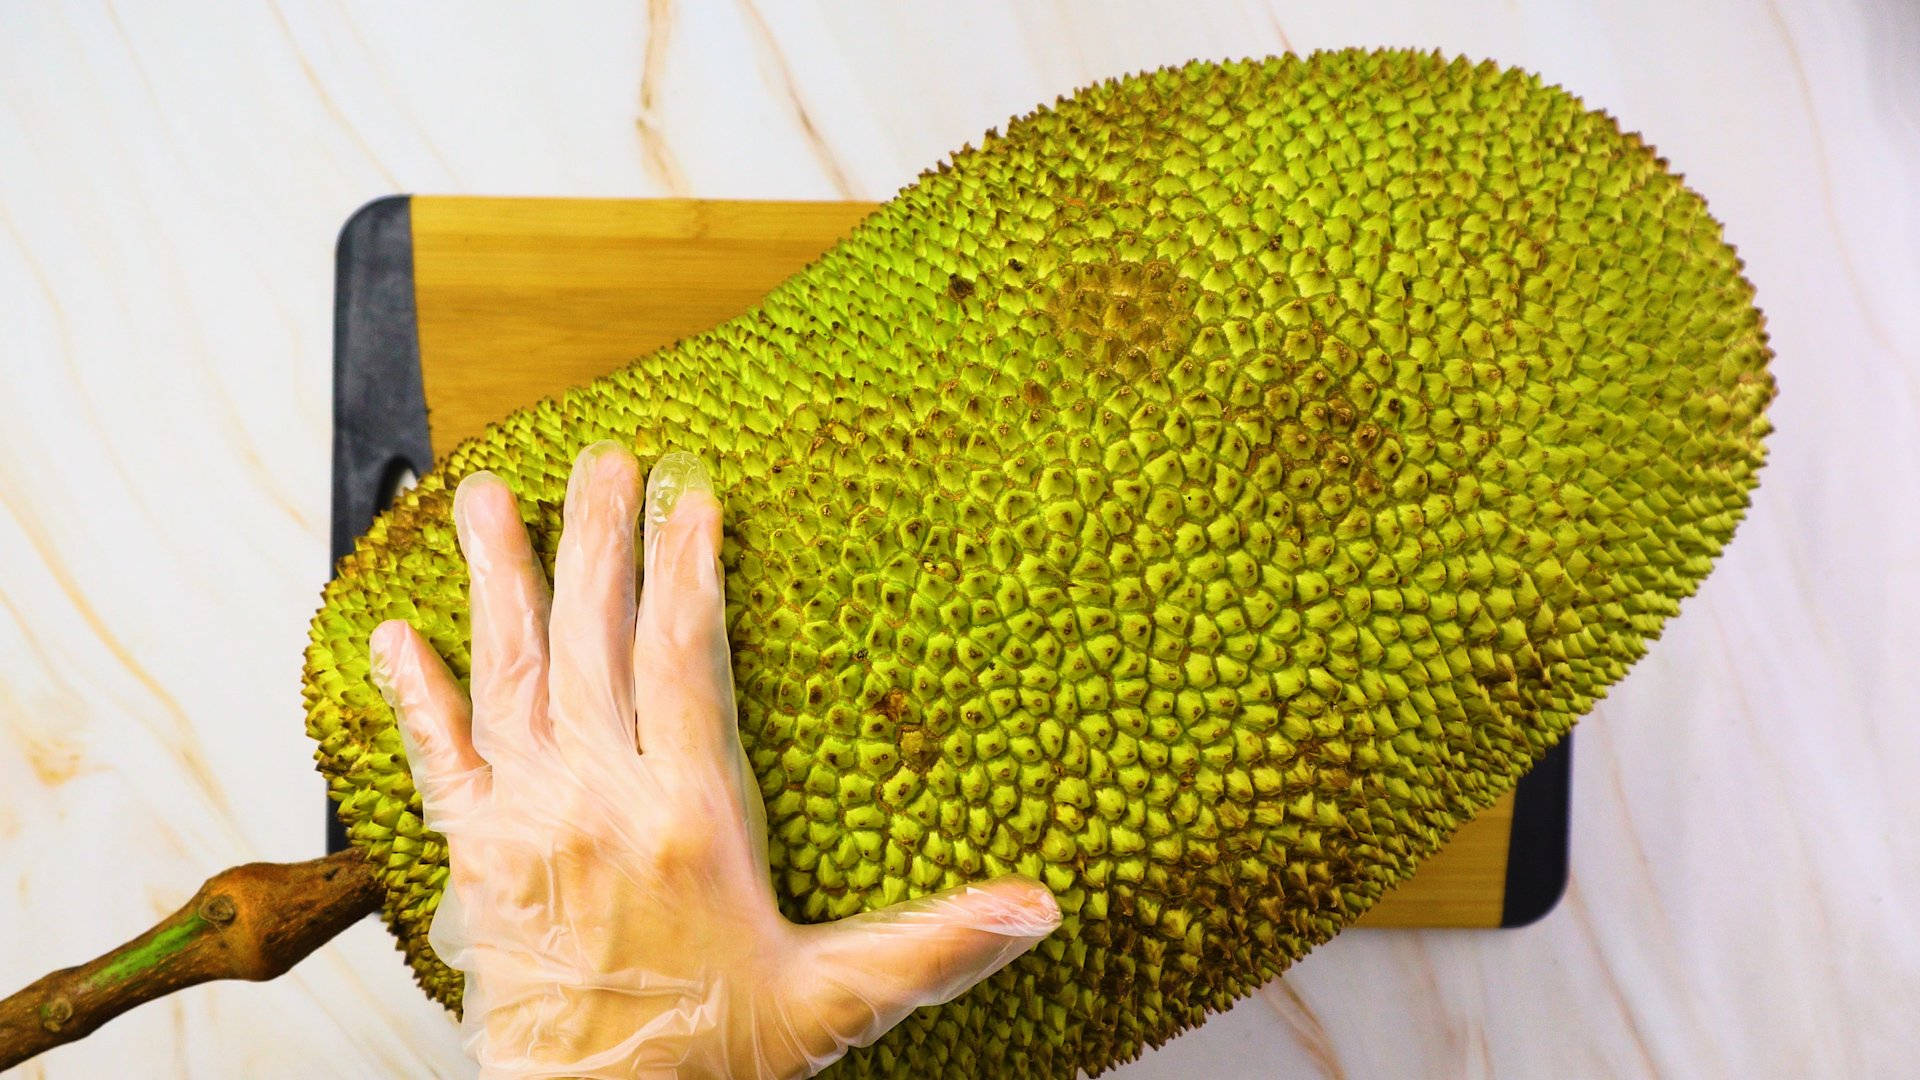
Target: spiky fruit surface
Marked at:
1202, 498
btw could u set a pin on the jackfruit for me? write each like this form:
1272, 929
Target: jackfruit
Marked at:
1202, 497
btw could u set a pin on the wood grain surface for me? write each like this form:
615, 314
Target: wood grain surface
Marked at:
519, 299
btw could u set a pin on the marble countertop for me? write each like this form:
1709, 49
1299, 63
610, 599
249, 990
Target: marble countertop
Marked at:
1745, 871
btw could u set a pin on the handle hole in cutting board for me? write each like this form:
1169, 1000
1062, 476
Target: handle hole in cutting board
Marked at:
395, 479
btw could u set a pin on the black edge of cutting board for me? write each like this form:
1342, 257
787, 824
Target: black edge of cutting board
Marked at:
379, 405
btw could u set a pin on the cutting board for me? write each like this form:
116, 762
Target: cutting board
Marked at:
451, 312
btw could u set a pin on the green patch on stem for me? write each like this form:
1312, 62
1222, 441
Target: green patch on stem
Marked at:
143, 956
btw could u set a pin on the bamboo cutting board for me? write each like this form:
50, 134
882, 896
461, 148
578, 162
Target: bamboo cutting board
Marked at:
513, 300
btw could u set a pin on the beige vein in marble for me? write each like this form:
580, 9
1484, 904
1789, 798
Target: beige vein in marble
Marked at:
181, 740
326, 100
1867, 314
653, 143
1293, 1011
781, 77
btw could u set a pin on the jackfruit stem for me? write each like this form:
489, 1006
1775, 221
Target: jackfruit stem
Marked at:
252, 922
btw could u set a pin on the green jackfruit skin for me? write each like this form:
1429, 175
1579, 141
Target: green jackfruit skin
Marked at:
1202, 498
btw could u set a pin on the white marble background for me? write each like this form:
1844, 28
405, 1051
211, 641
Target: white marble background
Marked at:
1745, 870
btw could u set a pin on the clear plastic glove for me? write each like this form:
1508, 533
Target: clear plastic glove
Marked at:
609, 898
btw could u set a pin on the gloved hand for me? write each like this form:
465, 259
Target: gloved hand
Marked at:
609, 898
